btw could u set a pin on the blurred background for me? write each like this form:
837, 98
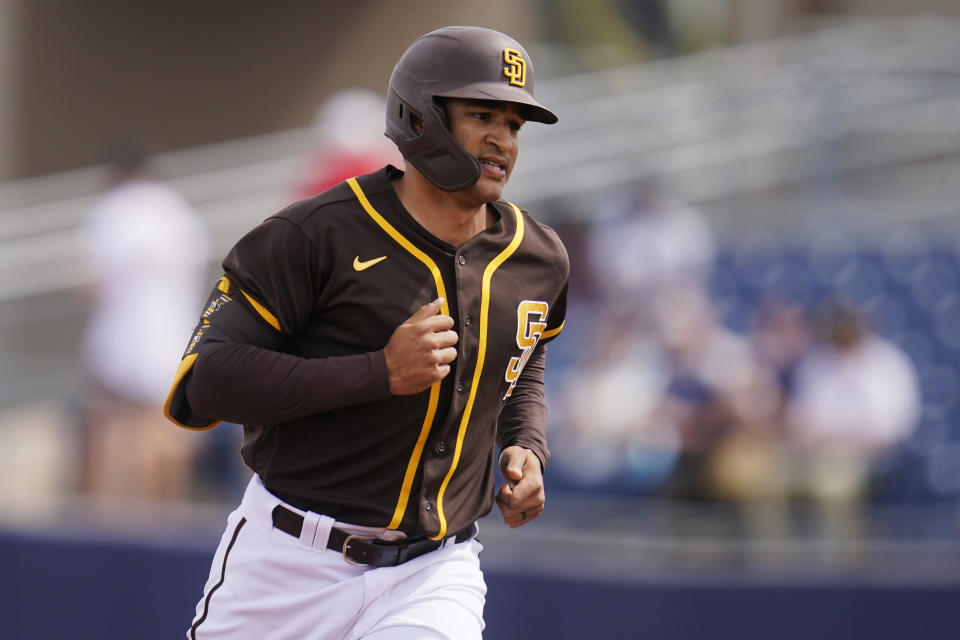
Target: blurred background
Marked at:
755, 403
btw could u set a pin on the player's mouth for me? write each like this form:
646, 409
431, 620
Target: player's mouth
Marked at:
493, 167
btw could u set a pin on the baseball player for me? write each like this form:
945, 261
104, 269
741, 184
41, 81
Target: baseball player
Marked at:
381, 342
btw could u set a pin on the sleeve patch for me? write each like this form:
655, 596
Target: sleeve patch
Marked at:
212, 307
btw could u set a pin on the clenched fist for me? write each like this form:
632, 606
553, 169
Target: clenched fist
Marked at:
521, 496
420, 350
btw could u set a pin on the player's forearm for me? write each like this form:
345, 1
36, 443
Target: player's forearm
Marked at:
251, 385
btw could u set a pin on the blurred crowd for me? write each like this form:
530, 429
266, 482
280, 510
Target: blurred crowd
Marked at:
657, 396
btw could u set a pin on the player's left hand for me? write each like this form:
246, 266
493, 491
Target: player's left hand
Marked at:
521, 497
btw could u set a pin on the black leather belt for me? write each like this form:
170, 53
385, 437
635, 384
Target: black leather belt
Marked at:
368, 550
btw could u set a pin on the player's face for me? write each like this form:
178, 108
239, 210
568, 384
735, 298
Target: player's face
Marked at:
489, 131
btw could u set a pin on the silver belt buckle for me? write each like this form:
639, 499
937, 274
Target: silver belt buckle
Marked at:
346, 546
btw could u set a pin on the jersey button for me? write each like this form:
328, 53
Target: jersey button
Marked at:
426, 505
441, 447
460, 386
462, 259
467, 320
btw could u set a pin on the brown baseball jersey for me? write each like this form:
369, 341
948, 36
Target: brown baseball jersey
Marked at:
291, 346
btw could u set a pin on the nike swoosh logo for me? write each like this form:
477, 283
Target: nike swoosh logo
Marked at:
366, 264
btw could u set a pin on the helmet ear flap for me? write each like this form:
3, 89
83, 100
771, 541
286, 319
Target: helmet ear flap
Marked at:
433, 151
401, 120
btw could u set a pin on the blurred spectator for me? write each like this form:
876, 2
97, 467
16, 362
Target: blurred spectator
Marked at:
645, 245
719, 393
147, 254
349, 140
649, 259
661, 379
613, 431
856, 398
607, 433
750, 463
781, 337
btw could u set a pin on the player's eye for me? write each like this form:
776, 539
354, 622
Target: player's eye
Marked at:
481, 115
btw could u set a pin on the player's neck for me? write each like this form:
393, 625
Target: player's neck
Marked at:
452, 217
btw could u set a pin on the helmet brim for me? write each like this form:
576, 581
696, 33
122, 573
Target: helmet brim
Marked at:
498, 91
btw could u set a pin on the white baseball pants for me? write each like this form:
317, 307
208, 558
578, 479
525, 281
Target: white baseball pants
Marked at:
265, 584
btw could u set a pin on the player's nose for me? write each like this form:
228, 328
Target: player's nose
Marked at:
502, 136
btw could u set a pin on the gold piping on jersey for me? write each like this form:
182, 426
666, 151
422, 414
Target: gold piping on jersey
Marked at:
552, 332
223, 284
263, 311
182, 370
481, 356
414, 461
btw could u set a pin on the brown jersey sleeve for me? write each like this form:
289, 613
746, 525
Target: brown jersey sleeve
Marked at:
277, 271
523, 419
558, 313
558, 310
235, 367
251, 385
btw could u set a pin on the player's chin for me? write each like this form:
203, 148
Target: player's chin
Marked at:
489, 189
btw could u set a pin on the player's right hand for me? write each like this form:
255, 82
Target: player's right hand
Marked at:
420, 350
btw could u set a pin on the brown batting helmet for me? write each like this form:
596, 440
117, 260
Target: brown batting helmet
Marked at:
454, 62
